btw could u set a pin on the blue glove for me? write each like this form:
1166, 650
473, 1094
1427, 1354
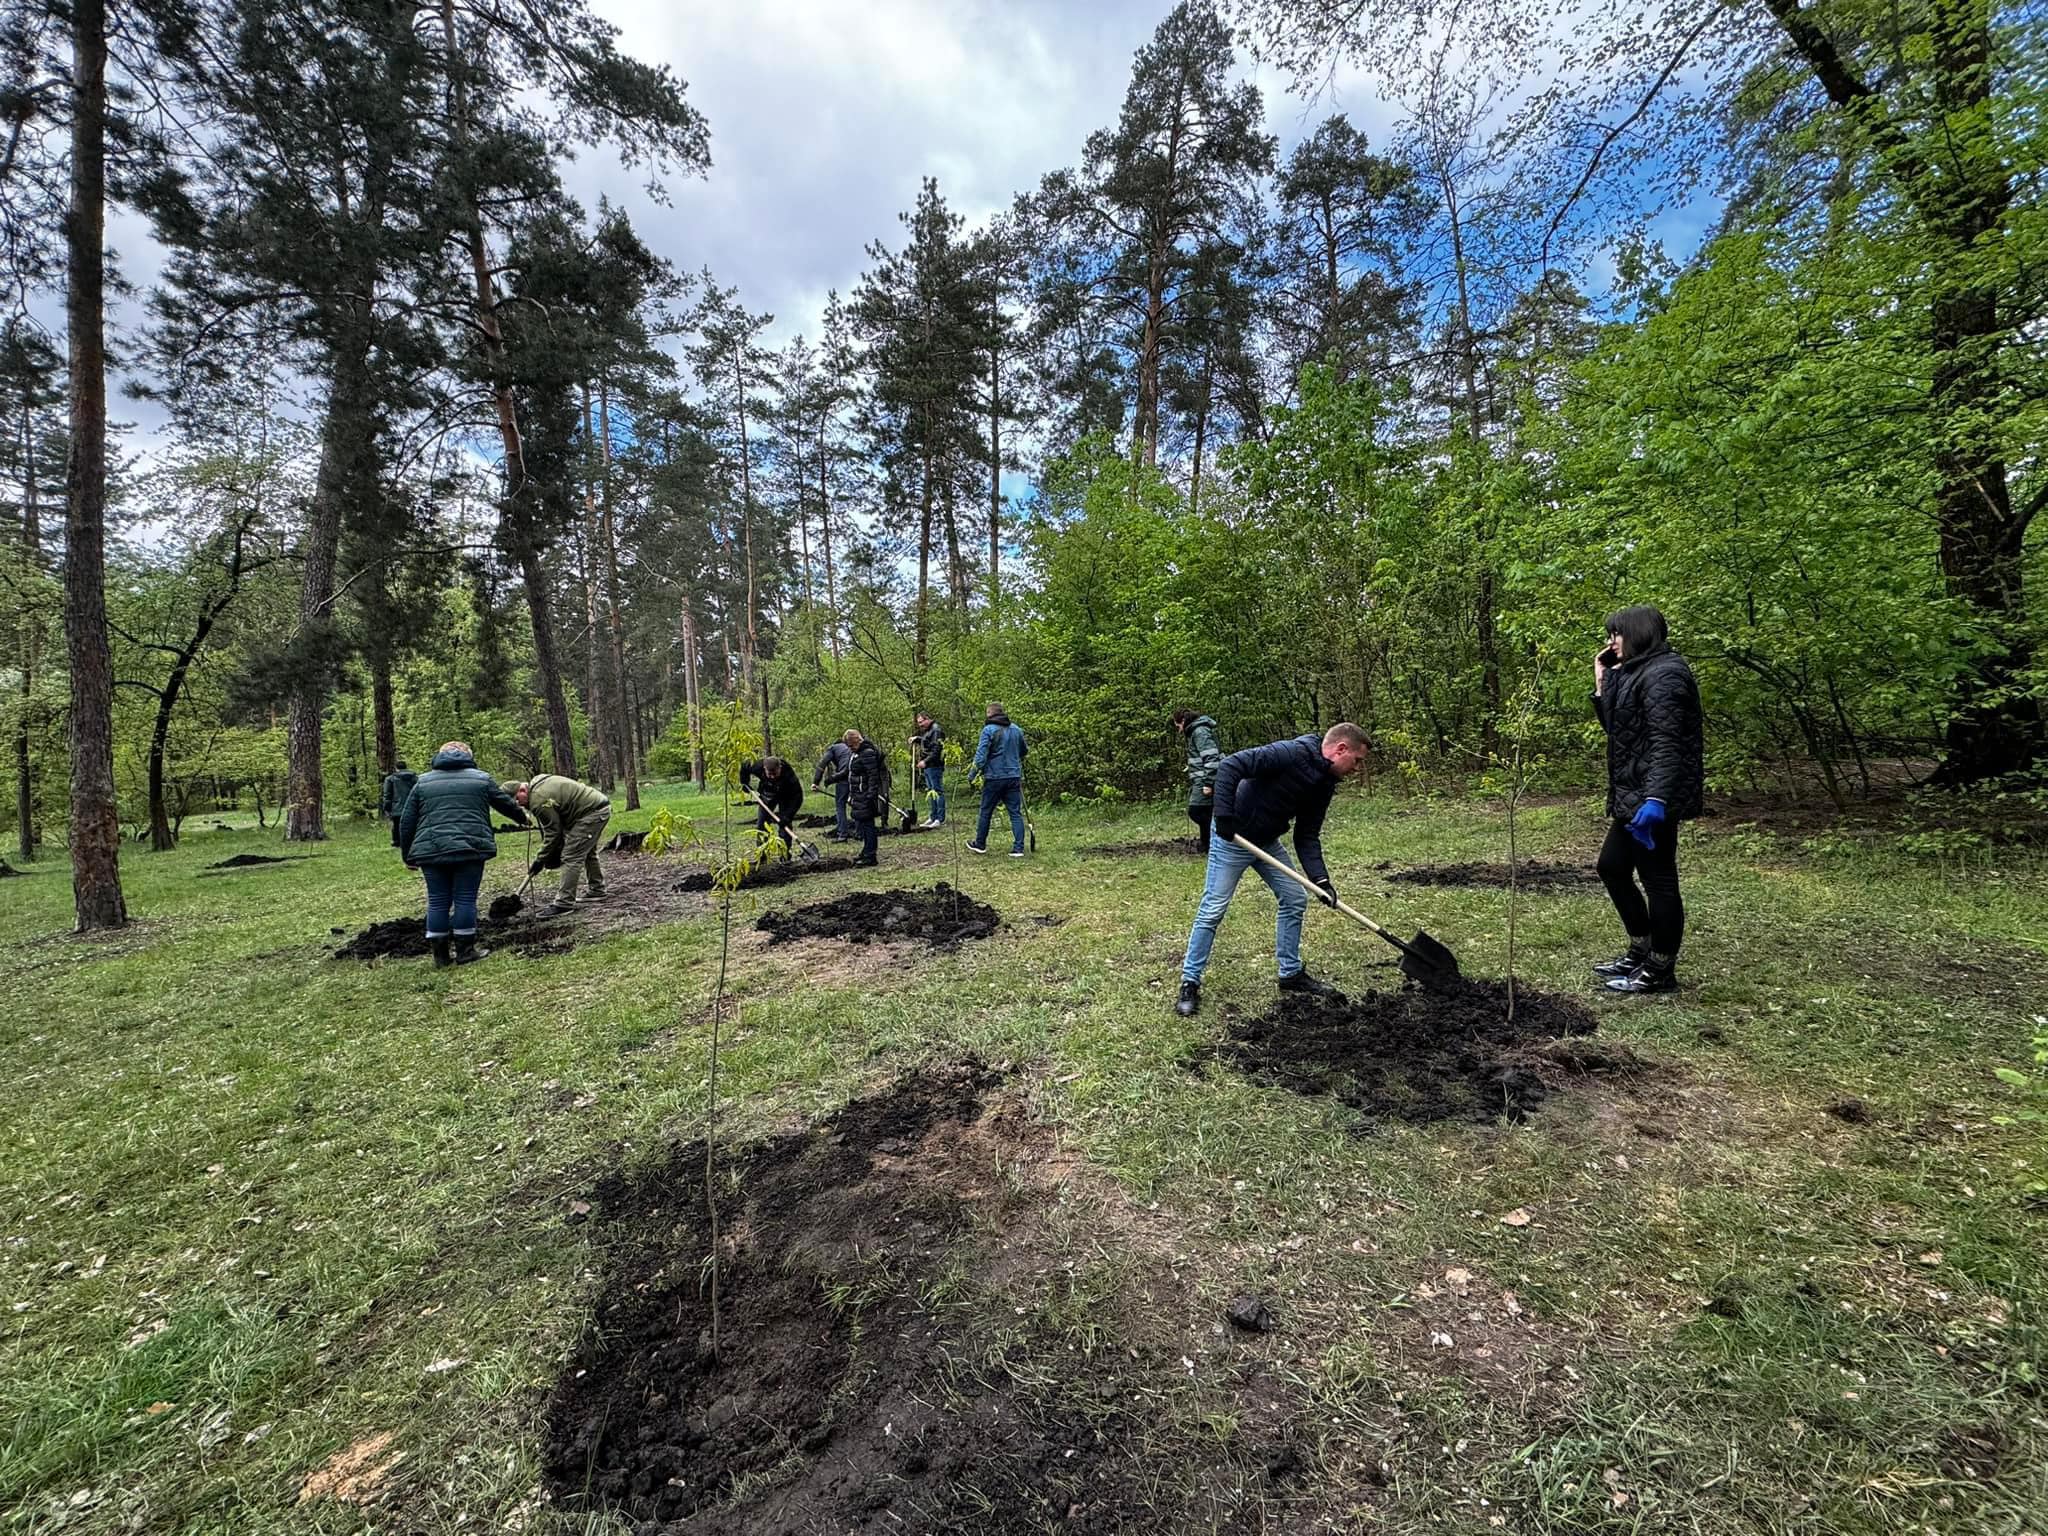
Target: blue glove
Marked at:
1643, 825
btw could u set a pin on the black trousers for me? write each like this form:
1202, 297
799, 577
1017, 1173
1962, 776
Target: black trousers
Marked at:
1656, 909
1199, 815
864, 826
764, 822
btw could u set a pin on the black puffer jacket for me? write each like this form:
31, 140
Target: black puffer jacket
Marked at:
1656, 741
1264, 788
867, 783
784, 792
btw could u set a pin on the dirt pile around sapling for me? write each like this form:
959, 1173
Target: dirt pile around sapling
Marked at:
775, 872
941, 918
1413, 1054
1534, 874
405, 938
842, 1394
1170, 848
253, 860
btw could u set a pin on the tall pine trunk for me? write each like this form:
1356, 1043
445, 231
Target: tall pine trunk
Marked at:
621, 716
750, 648
596, 687
825, 535
692, 700
31, 643
95, 815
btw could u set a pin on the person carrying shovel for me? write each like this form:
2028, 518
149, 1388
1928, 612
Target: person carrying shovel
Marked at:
778, 796
573, 816
1258, 792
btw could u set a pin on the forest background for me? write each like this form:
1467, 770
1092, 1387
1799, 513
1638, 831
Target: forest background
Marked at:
1377, 431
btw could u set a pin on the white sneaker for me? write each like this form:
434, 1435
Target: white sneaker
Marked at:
1016, 853
927, 825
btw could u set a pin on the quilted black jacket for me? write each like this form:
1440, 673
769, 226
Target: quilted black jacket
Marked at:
1656, 747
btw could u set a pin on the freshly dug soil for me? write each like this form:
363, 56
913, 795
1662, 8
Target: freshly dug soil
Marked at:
941, 918
777, 872
1172, 847
251, 860
809, 819
405, 938
835, 1398
1533, 874
504, 908
625, 842
1414, 1054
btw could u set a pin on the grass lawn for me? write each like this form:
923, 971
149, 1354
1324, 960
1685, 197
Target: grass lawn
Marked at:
261, 1206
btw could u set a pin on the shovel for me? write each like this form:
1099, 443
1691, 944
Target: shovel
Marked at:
806, 851
1423, 959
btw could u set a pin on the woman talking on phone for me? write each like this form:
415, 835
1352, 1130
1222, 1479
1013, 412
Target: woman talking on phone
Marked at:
1649, 704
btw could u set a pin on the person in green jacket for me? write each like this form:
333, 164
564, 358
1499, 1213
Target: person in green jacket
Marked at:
1205, 751
397, 786
444, 832
573, 816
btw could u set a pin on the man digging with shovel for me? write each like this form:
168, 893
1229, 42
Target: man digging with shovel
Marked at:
779, 796
573, 816
1258, 792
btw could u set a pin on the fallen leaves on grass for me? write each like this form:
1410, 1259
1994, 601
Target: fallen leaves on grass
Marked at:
354, 1475
1518, 1217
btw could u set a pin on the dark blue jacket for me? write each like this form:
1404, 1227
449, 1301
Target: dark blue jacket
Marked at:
1264, 788
1000, 753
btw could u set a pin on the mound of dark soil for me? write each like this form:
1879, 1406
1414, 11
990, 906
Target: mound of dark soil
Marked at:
1414, 1054
940, 917
1533, 874
625, 842
776, 872
405, 938
835, 1398
1172, 848
810, 819
251, 860
504, 908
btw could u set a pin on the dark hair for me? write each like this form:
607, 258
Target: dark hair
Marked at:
1181, 717
401, 764
1642, 630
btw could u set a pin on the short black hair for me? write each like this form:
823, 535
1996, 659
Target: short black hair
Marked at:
1182, 717
1642, 629
401, 764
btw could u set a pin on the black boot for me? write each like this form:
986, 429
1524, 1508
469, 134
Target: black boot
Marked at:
1190, 999
466, 952
1308, 986
1627, 964
441, 955
1657, 973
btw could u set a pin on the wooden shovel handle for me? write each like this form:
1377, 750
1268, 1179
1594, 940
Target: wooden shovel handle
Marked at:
1311, 887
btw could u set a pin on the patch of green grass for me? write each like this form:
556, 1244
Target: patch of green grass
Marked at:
287, 1202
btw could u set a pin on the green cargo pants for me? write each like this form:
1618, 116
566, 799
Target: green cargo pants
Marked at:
579, 854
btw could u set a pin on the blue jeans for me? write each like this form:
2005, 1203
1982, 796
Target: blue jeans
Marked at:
935, 781
995, 792
451, 897
843, 824
1227, 864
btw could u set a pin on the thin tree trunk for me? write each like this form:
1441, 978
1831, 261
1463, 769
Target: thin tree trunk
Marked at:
956, 567
31, 643
750, 650
595, 687
95, 814
995, 457
380, 704
692, 698
622, 719
825, 533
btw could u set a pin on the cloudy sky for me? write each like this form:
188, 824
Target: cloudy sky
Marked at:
826, 114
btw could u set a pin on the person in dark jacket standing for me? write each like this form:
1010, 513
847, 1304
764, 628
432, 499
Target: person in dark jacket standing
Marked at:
397, 786
999, 764
867, 786
1649, 703
772, 779
929, 747
444, 832
1205, 751
831, 770
1258, 792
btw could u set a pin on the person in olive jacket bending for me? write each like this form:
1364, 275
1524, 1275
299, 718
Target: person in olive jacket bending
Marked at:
1649, 703
445, 833
573, 815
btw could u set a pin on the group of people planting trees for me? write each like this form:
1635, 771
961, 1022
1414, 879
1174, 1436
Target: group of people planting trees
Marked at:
1242, 804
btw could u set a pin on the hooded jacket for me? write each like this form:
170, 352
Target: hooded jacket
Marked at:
867, 781
447, 817
1264, 788
397, 785
1000, 753
1204, 753
832, 766
558, 803
1656, 736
